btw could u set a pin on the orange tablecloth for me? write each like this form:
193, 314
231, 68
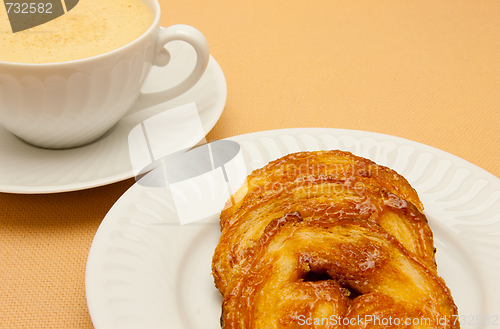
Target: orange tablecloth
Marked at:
425, 70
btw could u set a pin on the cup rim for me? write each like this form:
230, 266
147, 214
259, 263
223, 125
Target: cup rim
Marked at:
95, 57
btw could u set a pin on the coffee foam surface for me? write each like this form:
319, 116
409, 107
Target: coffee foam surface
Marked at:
93, 27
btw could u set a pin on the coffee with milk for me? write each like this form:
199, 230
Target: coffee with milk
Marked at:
92, 27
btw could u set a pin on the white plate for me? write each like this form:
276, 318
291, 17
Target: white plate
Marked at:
28, 169
144, 270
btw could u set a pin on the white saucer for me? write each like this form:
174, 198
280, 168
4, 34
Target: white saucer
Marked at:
28, 169
145, 270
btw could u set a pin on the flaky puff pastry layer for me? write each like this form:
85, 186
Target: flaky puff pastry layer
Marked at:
324, 191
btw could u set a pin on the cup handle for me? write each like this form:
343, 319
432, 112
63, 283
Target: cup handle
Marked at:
187, 34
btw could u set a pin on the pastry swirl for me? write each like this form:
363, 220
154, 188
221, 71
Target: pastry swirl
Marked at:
328, 235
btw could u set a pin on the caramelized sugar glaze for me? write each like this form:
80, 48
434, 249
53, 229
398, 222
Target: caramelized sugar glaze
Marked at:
317, 237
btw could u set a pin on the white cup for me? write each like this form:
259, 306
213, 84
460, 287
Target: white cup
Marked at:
69, 104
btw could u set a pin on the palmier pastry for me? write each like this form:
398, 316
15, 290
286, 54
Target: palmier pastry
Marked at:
327, 235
